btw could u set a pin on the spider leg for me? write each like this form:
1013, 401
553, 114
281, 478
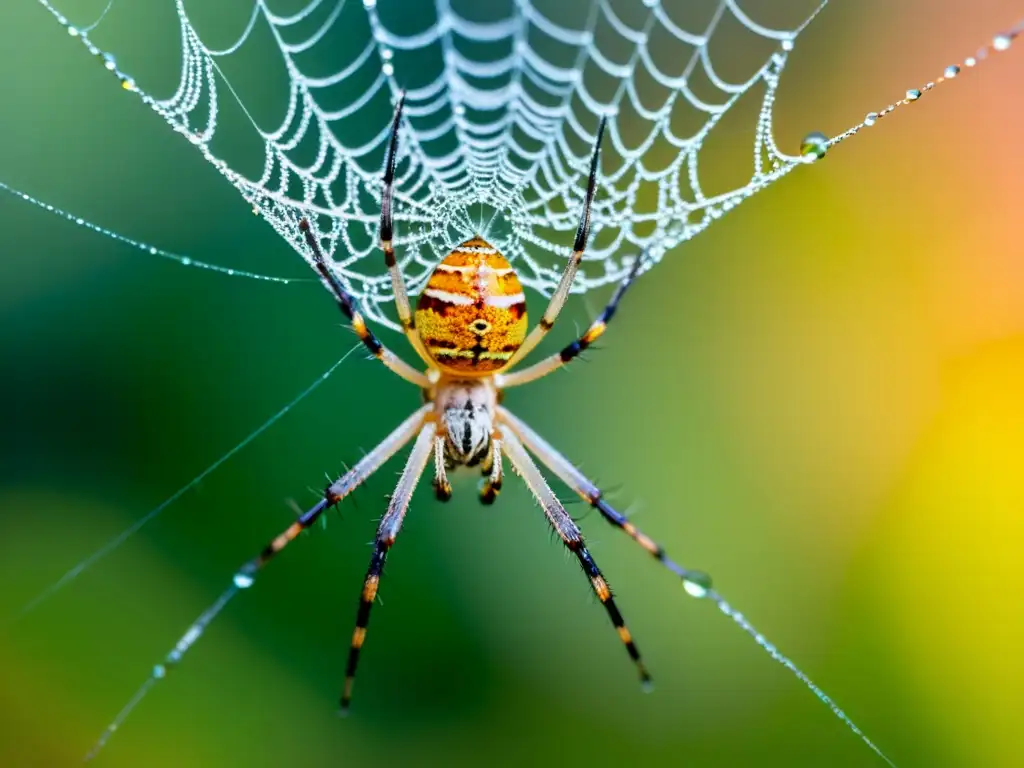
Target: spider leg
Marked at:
387, 531
491, 486
244, 576
571, 536
573, 350
696, 583
567, 472
347, 305
561, 293
442, 488
387, 230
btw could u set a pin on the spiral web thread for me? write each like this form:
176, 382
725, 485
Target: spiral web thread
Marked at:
503, 101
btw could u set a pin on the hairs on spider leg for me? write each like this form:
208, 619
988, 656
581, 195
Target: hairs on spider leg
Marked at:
112, 544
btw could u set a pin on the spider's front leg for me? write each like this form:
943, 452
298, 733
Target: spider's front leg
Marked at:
347, 305
561, 293
387, 233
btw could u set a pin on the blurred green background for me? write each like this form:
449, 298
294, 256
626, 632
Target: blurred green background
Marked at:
820, 401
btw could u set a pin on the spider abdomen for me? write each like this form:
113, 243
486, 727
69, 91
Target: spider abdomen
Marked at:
472, 313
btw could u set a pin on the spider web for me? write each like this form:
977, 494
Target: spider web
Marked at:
503, 100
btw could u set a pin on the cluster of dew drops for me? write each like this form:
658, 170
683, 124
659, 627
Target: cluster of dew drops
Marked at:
816, 144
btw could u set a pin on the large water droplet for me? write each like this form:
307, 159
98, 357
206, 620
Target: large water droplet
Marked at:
1001, 42
870, 119
697, 584
951, 71
913, 94
787, 45
243, 580
388, 69
73, 31
814, 146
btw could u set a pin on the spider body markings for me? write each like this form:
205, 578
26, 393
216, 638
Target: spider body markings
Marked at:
472, 314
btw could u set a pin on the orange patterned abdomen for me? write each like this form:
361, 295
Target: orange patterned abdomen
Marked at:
472, 314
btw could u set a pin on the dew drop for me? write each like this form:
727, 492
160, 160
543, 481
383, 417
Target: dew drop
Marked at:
460, 109
159, 671
79, 222
152, 251
814, 146
1001, 42
913, 94
386, 54
951, 71
186, 261
787, 45
647, 685
697, 584
388, 69
73, 31
369, 3
128, 83
970, 61
243, 580
109, 61
870, 118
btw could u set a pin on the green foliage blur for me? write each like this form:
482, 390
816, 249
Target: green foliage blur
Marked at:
818, 401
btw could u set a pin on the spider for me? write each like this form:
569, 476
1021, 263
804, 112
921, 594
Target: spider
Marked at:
470, 328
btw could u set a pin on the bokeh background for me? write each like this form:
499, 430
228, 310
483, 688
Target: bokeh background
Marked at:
820, 401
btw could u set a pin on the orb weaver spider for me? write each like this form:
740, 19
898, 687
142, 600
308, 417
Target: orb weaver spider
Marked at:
469, 327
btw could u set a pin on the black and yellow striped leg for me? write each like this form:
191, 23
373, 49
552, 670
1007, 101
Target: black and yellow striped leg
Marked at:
387, 233
348, 308
490, 487
245, 576
697, 583
570, 534
573, 350
561, 293
387, 532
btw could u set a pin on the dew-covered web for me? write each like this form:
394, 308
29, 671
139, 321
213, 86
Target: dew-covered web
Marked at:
291, 101
503, 100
